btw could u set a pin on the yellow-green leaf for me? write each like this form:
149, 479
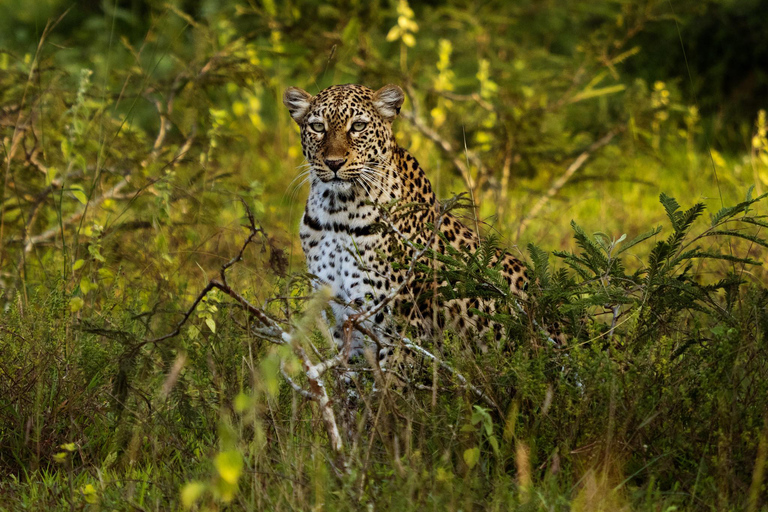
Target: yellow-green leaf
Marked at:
86, 285
191, 492
76, 304
66, 148
242, 402
594, 93
270, 372
494, 444
70, 447
89, 492
225, 491
79, 193
211, 324
106, 275
50, 175
472, 456
229, 464
394, 33
78, 264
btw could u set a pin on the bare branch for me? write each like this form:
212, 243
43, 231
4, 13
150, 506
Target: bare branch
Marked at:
51, 233
562, 180
320, 395
273, 332
303, 392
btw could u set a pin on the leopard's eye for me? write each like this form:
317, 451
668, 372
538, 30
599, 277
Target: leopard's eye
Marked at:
359, 126
318, 127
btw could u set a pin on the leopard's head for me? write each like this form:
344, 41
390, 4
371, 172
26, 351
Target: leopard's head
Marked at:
346, 131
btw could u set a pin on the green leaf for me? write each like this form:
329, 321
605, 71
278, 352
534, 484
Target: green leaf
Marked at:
86, 285
270, 372
89, 493
50, 175
720, 256
724, 212
94, 251
670, 206
595, 93
482, 416
472, 456
242, 402
79, 193
351, 32
757, 221
66, 148
739, 234
78, 264
540, 260
749, 193
106, 275
494, 444
211, 324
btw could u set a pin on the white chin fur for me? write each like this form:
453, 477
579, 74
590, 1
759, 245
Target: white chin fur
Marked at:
336, 186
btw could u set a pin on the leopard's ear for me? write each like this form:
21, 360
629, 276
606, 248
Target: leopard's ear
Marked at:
388, 101
297, 100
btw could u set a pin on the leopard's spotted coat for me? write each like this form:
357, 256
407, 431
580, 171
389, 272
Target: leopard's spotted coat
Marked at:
355, 166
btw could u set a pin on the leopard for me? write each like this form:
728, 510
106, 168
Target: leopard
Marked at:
351, 243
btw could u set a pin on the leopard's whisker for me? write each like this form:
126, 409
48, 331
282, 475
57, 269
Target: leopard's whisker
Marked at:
375, 183
299, 186
387, 165
377, 167
297, 182
369, 188
300, 175
378, 178
346, 251
375, 172
366, 188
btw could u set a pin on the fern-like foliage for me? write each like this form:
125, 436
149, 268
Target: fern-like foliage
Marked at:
596, 294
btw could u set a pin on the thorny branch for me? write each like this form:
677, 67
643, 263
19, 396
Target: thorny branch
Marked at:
112, 193
164, 110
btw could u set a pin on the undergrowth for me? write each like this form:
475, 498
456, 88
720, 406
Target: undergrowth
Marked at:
656, 401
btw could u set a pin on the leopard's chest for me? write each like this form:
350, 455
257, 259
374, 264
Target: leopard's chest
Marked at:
336, 258
342, 247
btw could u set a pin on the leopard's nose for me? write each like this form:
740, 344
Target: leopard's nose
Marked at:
335, 165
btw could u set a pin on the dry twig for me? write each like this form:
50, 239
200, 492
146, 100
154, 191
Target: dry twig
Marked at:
270, 330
